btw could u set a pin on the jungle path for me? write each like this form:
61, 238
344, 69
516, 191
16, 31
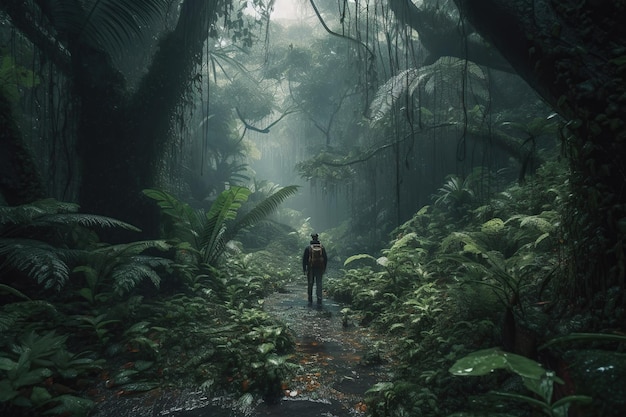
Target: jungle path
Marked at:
339, 361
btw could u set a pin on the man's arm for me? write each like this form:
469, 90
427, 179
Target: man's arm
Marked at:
305, 259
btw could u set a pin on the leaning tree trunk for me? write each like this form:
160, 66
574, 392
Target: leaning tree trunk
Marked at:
574, 55
122, 141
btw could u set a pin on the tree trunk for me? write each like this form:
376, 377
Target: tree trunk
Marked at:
121, 137
573, 54
20, 182
122, 141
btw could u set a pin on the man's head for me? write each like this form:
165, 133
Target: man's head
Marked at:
314, 236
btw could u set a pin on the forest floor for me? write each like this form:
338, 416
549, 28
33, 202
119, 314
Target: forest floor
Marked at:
339, 361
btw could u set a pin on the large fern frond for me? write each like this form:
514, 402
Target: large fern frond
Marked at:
81, 219
132, 248
224, 209
105, 23
52, 213
12, 314
127, 276
446, 71
265, 208
388, 94
170, 205
38, 260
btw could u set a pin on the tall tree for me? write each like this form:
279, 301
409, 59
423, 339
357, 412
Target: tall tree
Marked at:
573, 54
122, 132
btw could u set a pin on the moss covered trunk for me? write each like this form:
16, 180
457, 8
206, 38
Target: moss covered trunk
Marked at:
122, 137
573, 54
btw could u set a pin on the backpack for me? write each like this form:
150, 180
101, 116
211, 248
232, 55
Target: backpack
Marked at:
316, 256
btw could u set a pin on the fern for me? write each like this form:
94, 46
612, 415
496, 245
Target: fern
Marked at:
388, 94
185, 223
224, 209
444, 72
105, 23
127, 276
359, 257
22, 248
265, 208
36, 259
123, 266
209, 233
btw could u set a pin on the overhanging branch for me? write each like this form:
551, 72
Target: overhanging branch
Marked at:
265, 129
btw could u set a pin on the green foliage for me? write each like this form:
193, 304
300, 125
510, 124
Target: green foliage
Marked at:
106, 23
456, 195
444, 73
37, 239
536, 379
359, 257
120, 269
208, 233
443, 284
13, 77
35, 359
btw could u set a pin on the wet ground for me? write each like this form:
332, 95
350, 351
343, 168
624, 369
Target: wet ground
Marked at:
339, 361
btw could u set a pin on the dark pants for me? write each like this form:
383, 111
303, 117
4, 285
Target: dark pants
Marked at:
314, 276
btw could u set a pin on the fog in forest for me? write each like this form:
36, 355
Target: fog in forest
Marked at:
167, 168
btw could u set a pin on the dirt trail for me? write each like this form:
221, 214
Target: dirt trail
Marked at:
338, 362
339, 359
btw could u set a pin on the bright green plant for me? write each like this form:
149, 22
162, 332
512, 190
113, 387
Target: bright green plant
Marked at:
207, 233
271, 370
536, 379
456, 195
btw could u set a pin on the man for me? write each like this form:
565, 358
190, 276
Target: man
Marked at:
314, 262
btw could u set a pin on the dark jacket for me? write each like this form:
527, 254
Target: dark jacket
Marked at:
305, 256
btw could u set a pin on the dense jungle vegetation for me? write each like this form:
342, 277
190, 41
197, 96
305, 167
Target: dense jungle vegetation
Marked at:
462, 161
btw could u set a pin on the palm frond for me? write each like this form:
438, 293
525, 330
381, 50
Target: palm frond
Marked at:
265, 208
388, 94
105, 23
224, 209
81, 219
445, 72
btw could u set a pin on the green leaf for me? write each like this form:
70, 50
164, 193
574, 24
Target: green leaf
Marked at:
7, 392
40, 395
33, 377
7, 364
486, 361
71, 405
266, 348
358, 257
